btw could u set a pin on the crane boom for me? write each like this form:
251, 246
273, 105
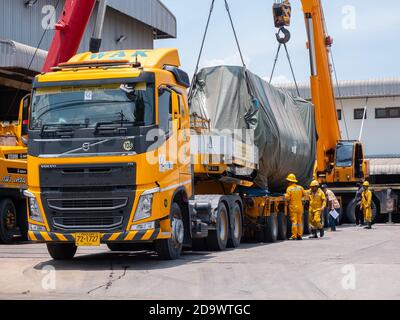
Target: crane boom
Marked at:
322, 90
69, 32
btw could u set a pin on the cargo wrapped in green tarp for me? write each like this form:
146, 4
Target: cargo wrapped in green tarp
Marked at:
231, 97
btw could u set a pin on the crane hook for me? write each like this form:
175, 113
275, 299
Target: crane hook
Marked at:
286, 35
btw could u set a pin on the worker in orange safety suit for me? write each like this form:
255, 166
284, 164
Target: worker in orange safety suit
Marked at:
317, 205
295, 195
366, 205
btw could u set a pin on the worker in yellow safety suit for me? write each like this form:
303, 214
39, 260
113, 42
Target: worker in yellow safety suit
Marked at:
295, 195
366, 205
317, 205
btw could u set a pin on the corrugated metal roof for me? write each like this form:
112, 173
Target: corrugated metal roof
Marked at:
387, 87
384, 166
151, 12
17, 55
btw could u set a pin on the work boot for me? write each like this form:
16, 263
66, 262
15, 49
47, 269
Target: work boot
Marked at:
368, 226
299, 238
314, 235
321, 232
293, 238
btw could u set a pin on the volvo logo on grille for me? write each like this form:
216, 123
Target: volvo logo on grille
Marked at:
86, 146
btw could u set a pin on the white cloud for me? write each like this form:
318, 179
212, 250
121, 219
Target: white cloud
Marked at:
278, 79
233, 60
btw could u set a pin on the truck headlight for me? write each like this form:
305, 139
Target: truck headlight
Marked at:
34, 209
143, 210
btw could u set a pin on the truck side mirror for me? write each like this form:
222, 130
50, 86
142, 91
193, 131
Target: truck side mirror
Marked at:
24, 117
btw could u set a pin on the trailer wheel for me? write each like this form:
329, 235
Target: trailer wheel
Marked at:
282, 226
170, 249
218, 239
289, 227
8, 221
236, 228
62, 251
271, 228
306, 224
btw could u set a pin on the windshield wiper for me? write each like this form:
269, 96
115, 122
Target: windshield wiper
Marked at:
60, 130
114, 127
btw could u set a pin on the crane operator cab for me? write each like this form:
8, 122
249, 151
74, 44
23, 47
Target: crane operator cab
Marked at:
349, 164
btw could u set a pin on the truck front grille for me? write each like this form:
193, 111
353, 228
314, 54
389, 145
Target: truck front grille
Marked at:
88, 223
87, 204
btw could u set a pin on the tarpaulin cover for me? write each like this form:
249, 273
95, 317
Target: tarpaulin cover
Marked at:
284, 125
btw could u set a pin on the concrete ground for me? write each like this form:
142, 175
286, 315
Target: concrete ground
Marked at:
352, 263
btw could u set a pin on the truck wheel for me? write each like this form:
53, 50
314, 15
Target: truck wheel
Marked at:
306, 224
218, 239
282, 226
8, 221
236, 228
271, 228
62, 251
170, 249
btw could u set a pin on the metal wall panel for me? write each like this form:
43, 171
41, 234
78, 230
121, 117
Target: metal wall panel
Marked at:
389, 87
24, 24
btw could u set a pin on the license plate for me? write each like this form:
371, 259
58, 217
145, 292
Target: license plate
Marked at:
90, 239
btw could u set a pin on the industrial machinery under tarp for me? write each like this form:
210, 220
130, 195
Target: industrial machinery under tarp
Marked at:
231, 97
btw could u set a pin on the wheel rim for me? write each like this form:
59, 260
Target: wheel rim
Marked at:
177, 232
222, 230
9, 220
237, 225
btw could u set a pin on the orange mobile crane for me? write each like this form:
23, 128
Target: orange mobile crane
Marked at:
339, 163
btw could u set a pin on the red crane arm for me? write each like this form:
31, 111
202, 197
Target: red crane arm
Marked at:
69, 32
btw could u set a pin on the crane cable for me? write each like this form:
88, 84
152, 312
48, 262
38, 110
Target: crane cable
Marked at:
33, 58
203, 43
290, 65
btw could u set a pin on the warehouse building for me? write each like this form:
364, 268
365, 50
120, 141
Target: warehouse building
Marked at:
380, 132
27, 29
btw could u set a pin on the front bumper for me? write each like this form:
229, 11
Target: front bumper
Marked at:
131, 236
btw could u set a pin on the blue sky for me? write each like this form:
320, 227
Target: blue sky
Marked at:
364, 47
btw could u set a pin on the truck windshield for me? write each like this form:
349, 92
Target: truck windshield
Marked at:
88, 107
344, 154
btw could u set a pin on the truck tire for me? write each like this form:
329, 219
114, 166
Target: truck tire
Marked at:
8, 221
271, 228
171, 249
306, 224
236, 227
62, 251
282, 226
218, 239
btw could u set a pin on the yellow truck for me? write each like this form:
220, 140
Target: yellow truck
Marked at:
131, 180
13, 176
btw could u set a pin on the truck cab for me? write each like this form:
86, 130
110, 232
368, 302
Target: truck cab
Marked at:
109, 153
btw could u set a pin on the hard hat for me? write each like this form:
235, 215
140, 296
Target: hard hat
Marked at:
292, 178
324, 186
366, 184
315, 183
